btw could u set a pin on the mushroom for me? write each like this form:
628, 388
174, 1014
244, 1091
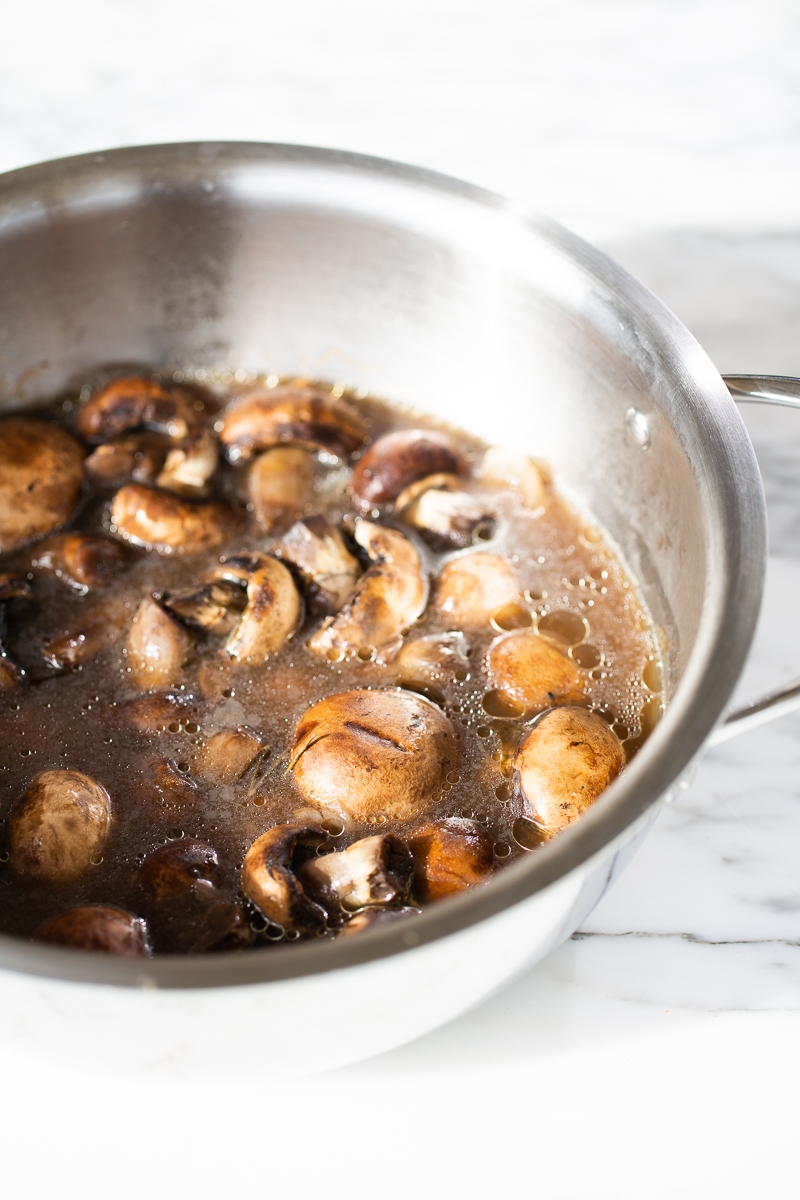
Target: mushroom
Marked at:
449, 856
428, 664
58, 826
316, 550
374, 870
226, 927
139, 457
445, 515
532, 673
564, 761
157, 646
171, 784
97, 927
279, 485
190, 465
273, 609
227, 756
156, 712
367, 918
41, 473
136, 403
98, 629
269, 879
180, 870
82, 562
215, 605
160, 521
509, 469
367, 754
303, 416
11, 587
398, 459
388, 598
473, 587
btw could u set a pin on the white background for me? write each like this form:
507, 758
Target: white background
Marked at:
657, 1055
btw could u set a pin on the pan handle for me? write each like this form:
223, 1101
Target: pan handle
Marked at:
780, 390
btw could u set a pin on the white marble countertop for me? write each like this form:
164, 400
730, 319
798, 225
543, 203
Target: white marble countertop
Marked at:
654, 1055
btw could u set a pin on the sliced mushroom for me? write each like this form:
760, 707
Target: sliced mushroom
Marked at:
82, 562
97, 927
139, 457
160, 521
41, 473
226, 927
228, 756
279, 486
156, 712
302, 416
59, 824
565, 760
11, 587
190, 465
98, 629
157, 647
473, 587
532, 673
428, 664
215, 605
449, 856
316, 550
273, 606
374, 870
180, 870
365, 754
446, 516
171, 784
398, 459
388, 598
509, 469
136, 403
270, 881
368, 918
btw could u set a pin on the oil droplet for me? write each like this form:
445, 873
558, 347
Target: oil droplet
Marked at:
651, 675
586, 655
174, 727
192, 728
333, 827
366, 654
498, 704
501, 850
563, 627
453, 777
651, 714
260, 801
483, 731
526, 834
334, 655
503, 793
174, 834
96, 859
511, 616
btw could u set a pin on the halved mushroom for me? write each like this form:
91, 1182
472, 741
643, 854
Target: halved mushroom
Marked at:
215, 605
316, 550
398, 459
374, 870
226, 927
301, 416
180, 870
139, 457
136, 403
273, 606
528, 477
270, 881
156, 712
279, 485
565, 760
444, 514
449, 856
97, 927
368, 918
160, 521
532, 673
171, 785
190, 465
11, 587
388, 598
230, 754
82, 562
473, 587
59, 824
41, 473
367, 754
157, 646
428, 664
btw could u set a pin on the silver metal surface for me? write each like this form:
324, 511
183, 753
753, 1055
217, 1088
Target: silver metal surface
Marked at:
425, 290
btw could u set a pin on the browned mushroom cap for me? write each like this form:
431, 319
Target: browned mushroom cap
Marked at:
41, 473
367, 753
136, 403
563, 763
179, 870
215, 605
273, 606
269, 879
398, 459
368, 918
430, 663
190, 465
449, 856
80, 561
374, 870
279, 485
445, 515
226, 927
388, 598
303, 416
228, 756
157, 646
472, 588
529, 477
138, 457
532, 673
316, 550
97, 927
161, 521
156, 712
58, 825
